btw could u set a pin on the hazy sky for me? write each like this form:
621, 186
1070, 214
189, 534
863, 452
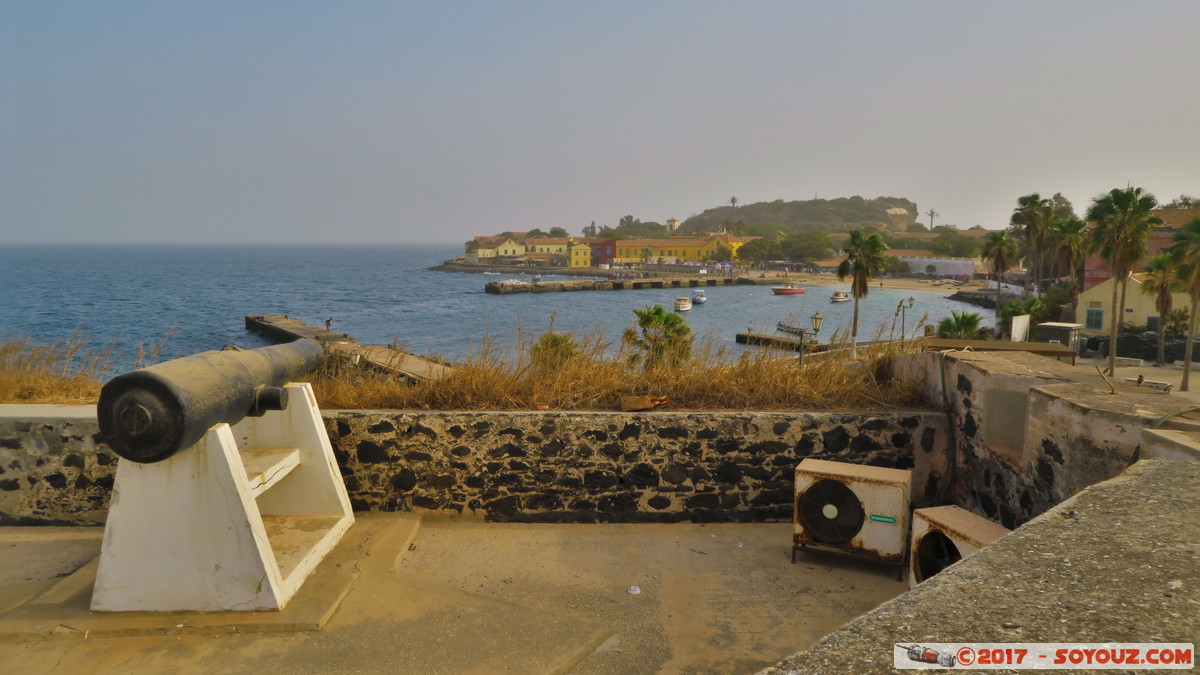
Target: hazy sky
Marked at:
421, 122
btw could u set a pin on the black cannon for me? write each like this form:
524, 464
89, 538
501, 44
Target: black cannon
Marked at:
150, 414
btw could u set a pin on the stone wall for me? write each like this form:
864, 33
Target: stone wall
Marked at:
614, 466
516, 466
1028, 431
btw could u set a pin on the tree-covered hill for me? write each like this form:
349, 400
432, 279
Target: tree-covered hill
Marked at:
814, 215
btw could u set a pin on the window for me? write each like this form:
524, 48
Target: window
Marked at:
1095, 319
1094, 305
1152, 323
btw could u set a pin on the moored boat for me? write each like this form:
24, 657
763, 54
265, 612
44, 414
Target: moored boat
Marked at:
699, 298
787, 289
840, 296
683, 304
788, 328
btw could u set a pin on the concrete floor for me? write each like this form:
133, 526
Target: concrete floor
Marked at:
466, 596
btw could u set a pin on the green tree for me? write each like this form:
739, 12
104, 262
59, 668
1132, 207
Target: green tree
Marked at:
916, 227
471, 246
931, 215
1122, 222
959, 326
719, 254
1031, 218
590, 230
658, 337
896, 266
1068, 239
1182, 202
805, 246
558, 233
1034, 307
1061, 207
1000, 251
866, 257
553, 350
1163, 280
1185, 254
760, 251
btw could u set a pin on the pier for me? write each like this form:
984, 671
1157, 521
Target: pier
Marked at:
514, 286
281, 328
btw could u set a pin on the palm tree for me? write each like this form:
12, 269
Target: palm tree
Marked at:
1068, 238
1122, 223
866, 257
733, 204
931, 214
664, 337
1185, 253
1030, 218
1000, 250
959, 326
1162, 282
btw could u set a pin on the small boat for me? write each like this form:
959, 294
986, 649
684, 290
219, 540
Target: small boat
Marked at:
787, 289
788, 328
840, 296
699, 298
683, 304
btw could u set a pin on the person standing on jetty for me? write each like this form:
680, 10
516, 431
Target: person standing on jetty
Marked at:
329, 323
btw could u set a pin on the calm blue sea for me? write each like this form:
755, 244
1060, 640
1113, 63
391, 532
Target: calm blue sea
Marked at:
376, 293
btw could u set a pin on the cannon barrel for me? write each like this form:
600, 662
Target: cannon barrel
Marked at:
150, 414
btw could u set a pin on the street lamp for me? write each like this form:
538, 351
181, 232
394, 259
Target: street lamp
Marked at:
817, 320
902, 310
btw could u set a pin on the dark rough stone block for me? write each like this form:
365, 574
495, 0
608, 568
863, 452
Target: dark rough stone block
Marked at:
910, 422
969, 426
987, 504
758, 473
552, 448
675, 473
731, 500
518, 465
544, 502
381, 427
441, 481
700, 474
836, 439
964, 385
104, 482
595, 434
705, 434
619, 503
642, 475
875, 424
726, 446
511, 431
673, 433
599, 479
584, 450
56, 481
728, 472
692, 449
903, 462
461, 466
417, 456
460, 451
659, 502
570, 482
773, 496
769, 447
703, 501
583, 505
456, 431
612, 450
506, 504
863, 443
547, 429
405, 480
1045, 471
927, 438
343, 428
545, 476
10, 485
533, 439
475, 482
10, 443
424, 502
494, 467
104, 459
73, 460
1051, 450
806, 444
630, 430
421, 429
369, 452
507, 450
901, 440
781, 428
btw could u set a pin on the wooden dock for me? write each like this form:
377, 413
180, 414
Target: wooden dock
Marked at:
778, 342
281, 328
513, 286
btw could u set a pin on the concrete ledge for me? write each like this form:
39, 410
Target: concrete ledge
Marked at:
1115, 563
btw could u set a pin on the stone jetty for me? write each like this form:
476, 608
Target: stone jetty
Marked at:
516, 286
281, 328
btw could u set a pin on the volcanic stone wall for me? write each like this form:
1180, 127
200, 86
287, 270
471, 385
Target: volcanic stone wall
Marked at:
519, 466
613, 466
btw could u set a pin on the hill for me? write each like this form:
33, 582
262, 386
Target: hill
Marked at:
814, 215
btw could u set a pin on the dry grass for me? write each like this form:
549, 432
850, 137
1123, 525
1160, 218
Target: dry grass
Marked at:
592, 374
67, 373
492, 378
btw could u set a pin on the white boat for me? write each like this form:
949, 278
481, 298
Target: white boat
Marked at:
683, 304
699, 298
840, 296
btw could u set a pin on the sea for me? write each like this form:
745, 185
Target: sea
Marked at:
193, 298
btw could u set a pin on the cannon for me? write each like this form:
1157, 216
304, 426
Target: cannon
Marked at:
150, 414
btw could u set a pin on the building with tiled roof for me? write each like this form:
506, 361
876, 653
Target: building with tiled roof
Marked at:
1093, 305
1096, 271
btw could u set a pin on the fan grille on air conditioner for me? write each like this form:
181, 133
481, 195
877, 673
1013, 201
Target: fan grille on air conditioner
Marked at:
935, 552
830, 512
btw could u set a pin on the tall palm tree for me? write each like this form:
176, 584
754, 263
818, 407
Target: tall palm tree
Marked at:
1068, 239
1185, 253
1000, 250
662, 337
866, 257
1162, 282
1122, 222
1031, 218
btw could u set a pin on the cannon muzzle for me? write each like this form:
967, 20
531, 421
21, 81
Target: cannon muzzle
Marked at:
150, 414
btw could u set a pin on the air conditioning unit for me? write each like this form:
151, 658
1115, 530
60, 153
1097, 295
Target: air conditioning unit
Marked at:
852, 509
943, 535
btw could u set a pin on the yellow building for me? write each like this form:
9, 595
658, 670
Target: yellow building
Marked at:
1094, 304
676, 249
547, 245
581, 254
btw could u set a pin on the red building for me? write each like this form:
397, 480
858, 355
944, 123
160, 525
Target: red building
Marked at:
1096, 271
603, 250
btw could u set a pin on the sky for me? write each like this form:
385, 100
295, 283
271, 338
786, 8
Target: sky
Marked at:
420, 122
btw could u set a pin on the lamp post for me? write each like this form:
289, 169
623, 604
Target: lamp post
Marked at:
903, 310
817, 320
